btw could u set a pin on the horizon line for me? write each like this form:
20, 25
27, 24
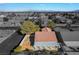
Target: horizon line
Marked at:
38, 10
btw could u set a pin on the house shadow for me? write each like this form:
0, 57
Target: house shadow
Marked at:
59, 38
32, 39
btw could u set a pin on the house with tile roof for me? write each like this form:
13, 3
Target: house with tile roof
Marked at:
45, 39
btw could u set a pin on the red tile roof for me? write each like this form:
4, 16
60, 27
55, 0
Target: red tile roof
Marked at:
45, 37
46, 29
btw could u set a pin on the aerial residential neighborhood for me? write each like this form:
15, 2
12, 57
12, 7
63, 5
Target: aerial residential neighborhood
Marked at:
39, 32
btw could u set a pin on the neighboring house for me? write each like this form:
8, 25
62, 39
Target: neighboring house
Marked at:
1, 18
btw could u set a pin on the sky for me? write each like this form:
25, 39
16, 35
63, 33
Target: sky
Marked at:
39, 6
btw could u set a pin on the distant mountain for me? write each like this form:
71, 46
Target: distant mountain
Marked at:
76, 11
41, 11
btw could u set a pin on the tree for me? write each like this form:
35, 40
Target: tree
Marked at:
5, 19
51, 24
29, 27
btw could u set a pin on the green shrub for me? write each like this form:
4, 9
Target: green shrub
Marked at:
29, 27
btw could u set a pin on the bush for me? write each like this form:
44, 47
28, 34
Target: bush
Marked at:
29, 27
51, 24
18, 49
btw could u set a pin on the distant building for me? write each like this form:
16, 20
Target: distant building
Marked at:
44, 20
61, 19
1, 18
